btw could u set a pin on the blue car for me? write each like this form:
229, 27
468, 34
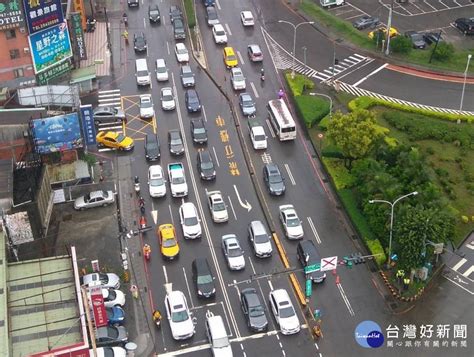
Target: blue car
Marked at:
115, 315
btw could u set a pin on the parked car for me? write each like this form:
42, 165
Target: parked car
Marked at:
187, 76
179, 316
291, 223
167, 99
205, 165
432, 37
211, 16
182, 54
156, 181
230, 59
146, 107
307, 255
190, 221
114, 140
191, 98
111, 336
233, 252
115, 315
416, 39
178, 29
465, 25
383, 32
106, 280
94, 199
254, 310
198, 131
365, 22
284, 312
203, 278
113, 297
255, 53
273, 179
218, 32
139, 42
133, 3
152, 147
247, 105
217, 336
259, 239
107, 115
161, 70
175, 142
247, 18
114, 351
168, 241
154, 13
237, 78
175, 13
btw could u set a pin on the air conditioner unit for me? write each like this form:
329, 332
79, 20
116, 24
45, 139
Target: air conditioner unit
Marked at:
26, 50
22, 30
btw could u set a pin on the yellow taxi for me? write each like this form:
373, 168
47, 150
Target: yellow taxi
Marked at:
383, 30
168, 242
230, 59
114, 140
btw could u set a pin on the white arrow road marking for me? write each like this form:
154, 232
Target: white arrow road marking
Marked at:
232, 207
245, 205
154, 215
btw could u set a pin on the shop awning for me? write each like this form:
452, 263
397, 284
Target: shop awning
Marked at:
82, 74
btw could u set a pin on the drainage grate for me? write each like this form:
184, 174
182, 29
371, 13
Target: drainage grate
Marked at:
393, 305
67, 217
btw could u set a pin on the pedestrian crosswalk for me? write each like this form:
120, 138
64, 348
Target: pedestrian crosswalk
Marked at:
342, 66
109, 98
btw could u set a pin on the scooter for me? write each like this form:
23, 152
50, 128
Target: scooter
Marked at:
262, 75
125, 19
141, 204
90, 24
137, 185
147, 252
142, 222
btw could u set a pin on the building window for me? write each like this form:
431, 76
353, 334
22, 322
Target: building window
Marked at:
18, 73
14, 53
10, 34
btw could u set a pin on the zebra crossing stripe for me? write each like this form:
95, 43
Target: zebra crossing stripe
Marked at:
360, 56
351, 63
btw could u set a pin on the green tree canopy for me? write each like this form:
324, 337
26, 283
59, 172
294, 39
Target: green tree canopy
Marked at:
401, 44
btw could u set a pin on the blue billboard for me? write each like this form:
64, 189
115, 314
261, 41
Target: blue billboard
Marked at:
58, 133
41, 14
50, 46
88, 127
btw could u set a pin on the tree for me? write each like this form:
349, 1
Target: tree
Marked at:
354, 133
444, 51
401, 44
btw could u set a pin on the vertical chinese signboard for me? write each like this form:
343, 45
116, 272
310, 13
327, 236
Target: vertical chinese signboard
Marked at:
77, 36
41, 14
98, 307
88, 127
79, 7
10, 14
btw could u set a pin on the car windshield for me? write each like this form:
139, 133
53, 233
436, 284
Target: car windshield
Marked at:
179, 316
293, 222
207, 165
187, 74
161, 69
182, 50
219, 206
231, 58
154, 12
221, 342
259, 137
190, 221
263, 238
204, 279
112, 295
156, 182
142, 73
247, 102
220, 32
235, 252
256, 311
87, 197
417, 37
274, 178
199, 130
287, 312
120, 138
178, 180
168, 243
176, 140
193, 98
167, 97
146, 104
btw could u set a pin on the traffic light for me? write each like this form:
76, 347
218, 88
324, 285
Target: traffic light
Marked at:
357, 258
347, 262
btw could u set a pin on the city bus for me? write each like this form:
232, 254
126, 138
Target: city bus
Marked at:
281, 120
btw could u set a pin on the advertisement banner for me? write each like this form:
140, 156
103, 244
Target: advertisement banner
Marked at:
50, 46
98, 307
88, 126
77, 36
41, 14
55, 71
58, 133
78, 6
10, 14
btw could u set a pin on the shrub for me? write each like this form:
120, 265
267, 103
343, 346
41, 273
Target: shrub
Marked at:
190, 15
357, 218
323, 124
444, 51
311, 109
400, 44
375, 247
340, 175
465, 219
298, 84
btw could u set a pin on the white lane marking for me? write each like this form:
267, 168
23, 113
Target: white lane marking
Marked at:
260, 287
189, 290
283, 351
168, 47
204, 113
218, 4
470, 245
254, 90
171, 215
346, 300
316, 345
241, 59
215, 155
313, 228
232, 207
228, 29
144, 23
468, 271
271, 285
462, 287
109, 91
370, 74
236, 286
242, 347
269, 125
290, 175
165, 274
355, 69
459, 264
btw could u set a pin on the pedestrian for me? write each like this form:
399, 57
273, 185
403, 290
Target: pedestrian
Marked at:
281, 93
406, 283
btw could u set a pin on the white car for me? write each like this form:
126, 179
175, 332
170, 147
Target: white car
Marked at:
190, 221
167, 99
109, 280
257, 135
237, 78
94, 199
291, 222
113, 297
161, 70
247, 18
182, 54
156, 181
233, 253
146, 106
109, 352
219, 34
217, 207
179, 317
284, 312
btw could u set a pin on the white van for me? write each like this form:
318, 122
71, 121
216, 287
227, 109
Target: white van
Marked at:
217, 336
142, 73
161, 70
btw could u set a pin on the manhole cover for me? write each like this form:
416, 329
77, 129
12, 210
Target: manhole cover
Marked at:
393, 305
67, 217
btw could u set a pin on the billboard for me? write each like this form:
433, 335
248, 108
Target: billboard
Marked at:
50, 46
88, 126
58, 133
55, 71
98, 307
78, 6
41, 14
10, 14
77, 36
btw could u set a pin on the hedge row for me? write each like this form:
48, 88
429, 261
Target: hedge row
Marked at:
190, 15
312, 109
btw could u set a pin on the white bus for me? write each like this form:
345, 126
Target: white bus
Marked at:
281, 120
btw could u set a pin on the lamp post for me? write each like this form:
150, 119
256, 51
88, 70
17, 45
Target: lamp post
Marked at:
392, 205
330, 101
295, 27
464, 83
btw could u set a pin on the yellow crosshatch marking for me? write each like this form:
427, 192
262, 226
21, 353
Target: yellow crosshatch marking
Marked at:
229, 153
219, 121
224, 136
234, 170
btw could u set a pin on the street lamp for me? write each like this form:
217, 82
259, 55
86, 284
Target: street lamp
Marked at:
392, 205
464, 83
295, 27
330, 101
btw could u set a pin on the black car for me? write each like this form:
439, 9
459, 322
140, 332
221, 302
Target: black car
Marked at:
133, 3
193, 104
366, 22
416, 39
432, 37
187, 76
139, 42
198, 131
211, 16
154, 13
152, 147
254, 310
203, 278
308, 255
273, 179
175, 13
206, 166
178, 29
175, 142
466, 26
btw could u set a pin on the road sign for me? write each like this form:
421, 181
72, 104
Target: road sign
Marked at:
309, 288
329, 263
312, 268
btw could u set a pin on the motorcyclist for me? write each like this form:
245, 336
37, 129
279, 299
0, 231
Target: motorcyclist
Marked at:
125, 35
141, 202
125, 18
156, 315
262, 74
146, 250
281, 93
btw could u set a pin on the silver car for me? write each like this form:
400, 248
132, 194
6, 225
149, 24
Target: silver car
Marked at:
111, 335
107, 115
94, 199
233, 252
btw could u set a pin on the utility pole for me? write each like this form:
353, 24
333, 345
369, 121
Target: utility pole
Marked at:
389, 25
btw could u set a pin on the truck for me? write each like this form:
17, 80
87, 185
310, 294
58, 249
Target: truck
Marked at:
257, 134
177, 179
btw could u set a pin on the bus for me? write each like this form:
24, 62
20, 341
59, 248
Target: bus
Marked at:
281, 120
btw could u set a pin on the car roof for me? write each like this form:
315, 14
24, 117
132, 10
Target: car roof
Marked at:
176, 297
272, 168
155, 170
258, 227
251, 296
202, 266
189, 208
210, 9
308, 247
205, 155
166, 89
218, 27
229, 51
186, 68
180, 44
174, 132
247, 13
167, 231
160, 62
280, 296
198, 122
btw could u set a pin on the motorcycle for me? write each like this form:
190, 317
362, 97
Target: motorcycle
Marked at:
142, 222
125, 19
262, 75
141, 204
147, 252
137, 185
90, 24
